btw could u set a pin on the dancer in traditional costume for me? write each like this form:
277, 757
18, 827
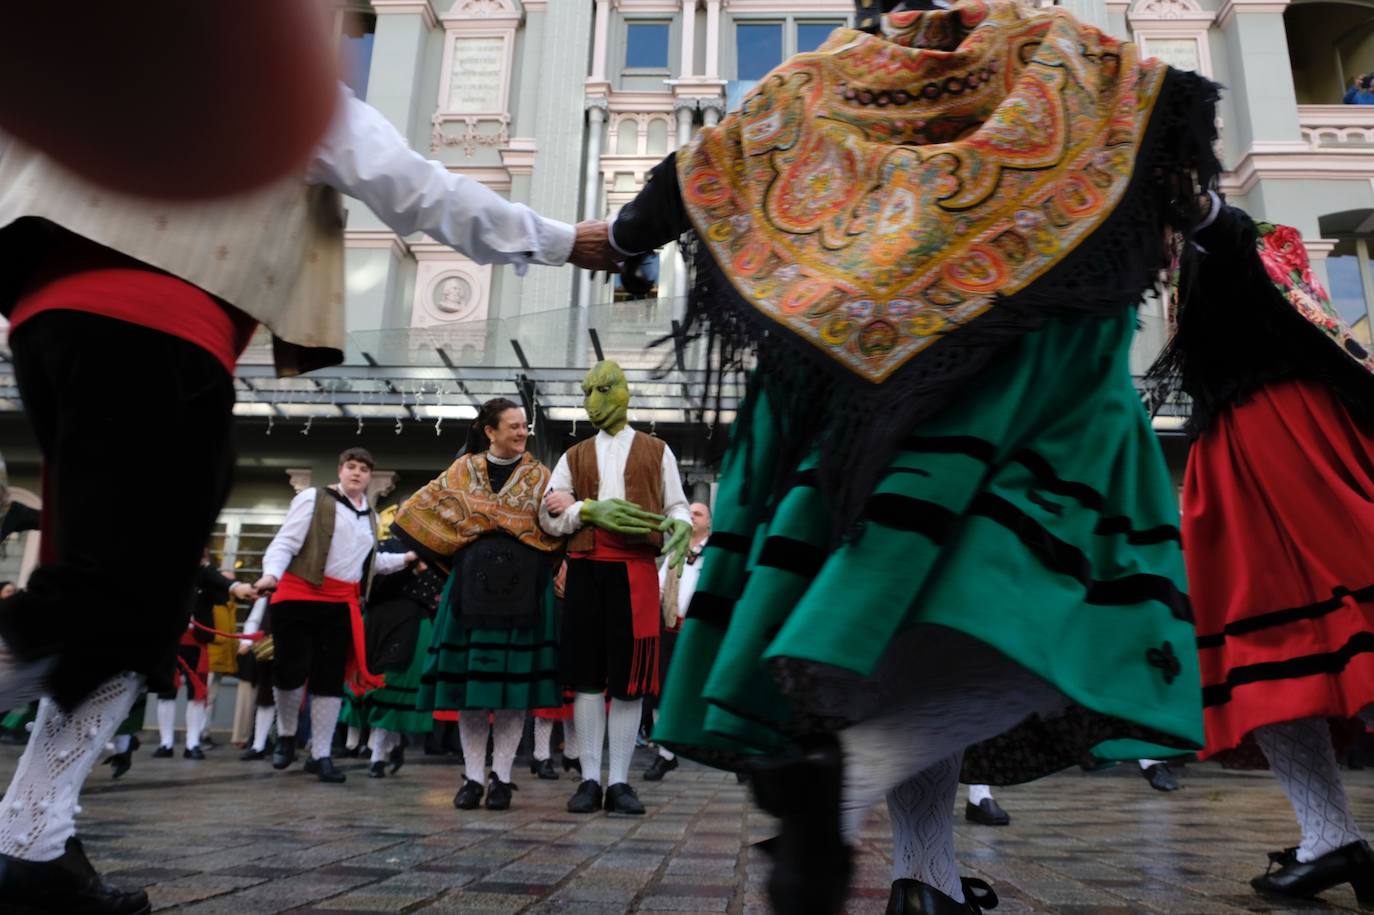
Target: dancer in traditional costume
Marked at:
541, 763
618, 498
256, 656
97, 285
945, 535
494, 654
399, 623
320, 567
1282, 456
676, 586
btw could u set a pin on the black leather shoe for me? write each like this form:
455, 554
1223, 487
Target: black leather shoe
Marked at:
397, 759
164, 753
67, 884
912, 897
544, 769
986, 812
377, 769
327, 773
621, 798
586, 799
812, 863
1294, 879
498, 793
659, 768
469, 796
1160, 777
572, 764
193, 753
311, 766
251, 755
284, 753
120, 763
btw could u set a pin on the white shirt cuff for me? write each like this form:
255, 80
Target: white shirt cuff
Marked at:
555, 240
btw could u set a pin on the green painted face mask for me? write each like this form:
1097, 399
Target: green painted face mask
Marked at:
606, 397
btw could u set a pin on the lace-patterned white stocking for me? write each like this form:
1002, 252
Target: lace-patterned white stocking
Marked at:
472, 732
262, 725
288, 709
570, 749
1303, 760
922, 810
506, 731
324, 715
543, 736
39, 811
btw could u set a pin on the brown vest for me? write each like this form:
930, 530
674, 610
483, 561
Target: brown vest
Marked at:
643, 484
309, 561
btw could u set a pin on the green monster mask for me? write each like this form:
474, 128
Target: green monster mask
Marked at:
606, 398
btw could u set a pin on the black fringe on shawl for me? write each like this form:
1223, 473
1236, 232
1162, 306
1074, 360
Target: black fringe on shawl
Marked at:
856, 425
1237, 332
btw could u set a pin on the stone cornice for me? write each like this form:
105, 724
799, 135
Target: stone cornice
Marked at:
1295, 162
422, 8
377, 238
1232, 7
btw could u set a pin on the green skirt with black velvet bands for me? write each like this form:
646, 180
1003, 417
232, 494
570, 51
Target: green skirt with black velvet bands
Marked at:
394, 706
1036, 514
510, 668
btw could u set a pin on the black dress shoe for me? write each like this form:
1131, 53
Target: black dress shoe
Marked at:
250, 755
164, 753
1160, 777
377, 769
572, 764
284, 753
193, 753
469, 796
120, 763
324, 768
1294, 879
912, 897
498, 793
812, 863
659, 768
587, 798
397, 759
986, 812
621, 798
311, 766
67, 884
544, 769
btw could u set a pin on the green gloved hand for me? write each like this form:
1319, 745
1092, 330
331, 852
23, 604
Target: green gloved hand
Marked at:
677, 540
620, 516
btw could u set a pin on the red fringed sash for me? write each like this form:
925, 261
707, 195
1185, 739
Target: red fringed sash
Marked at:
292, 587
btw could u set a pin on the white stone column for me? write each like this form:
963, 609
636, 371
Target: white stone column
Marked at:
683, 108
299, 478
597, 106
713, 39
689, 34
601, 40
711, 111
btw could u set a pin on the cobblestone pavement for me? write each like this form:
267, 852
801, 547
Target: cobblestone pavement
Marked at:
235, 837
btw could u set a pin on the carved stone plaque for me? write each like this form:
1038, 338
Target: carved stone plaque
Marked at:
476, 75
1179, 53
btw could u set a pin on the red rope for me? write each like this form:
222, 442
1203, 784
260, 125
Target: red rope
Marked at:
250, 636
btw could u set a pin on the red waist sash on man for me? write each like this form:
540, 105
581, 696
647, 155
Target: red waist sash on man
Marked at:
645, 620
333, 591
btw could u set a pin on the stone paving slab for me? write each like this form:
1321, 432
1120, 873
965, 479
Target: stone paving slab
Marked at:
224, 836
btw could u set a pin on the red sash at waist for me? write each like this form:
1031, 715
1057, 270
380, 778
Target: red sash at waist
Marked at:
333, 591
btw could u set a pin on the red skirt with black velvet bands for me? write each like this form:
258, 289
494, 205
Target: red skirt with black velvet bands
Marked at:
1278, 534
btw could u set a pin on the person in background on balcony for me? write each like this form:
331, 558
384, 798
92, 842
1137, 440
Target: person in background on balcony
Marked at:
319, 569
164, 297
495, 649
1361, 91
618, 498
1278, 515
946, 541
676, 587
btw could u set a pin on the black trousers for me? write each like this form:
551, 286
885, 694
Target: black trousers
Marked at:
597, 644
311, 641
136, 430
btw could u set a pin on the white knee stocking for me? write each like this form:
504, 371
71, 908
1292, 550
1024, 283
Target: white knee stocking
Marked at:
38, 814
195, 723
506, 732
381, 743
979, 793
570, 749
288, 709
354, 737
589, 711
166, 721
543, 735
262, 725
324, 715
1304, 762
623, 728
473, 729
662, 750
922, 810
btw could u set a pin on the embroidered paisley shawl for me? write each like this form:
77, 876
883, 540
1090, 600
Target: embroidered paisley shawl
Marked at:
458, 506
1284, 256
877, 195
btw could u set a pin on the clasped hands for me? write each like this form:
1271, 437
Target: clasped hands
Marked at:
622, 516
592, 249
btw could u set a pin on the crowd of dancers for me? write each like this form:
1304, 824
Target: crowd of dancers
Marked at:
946, 546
